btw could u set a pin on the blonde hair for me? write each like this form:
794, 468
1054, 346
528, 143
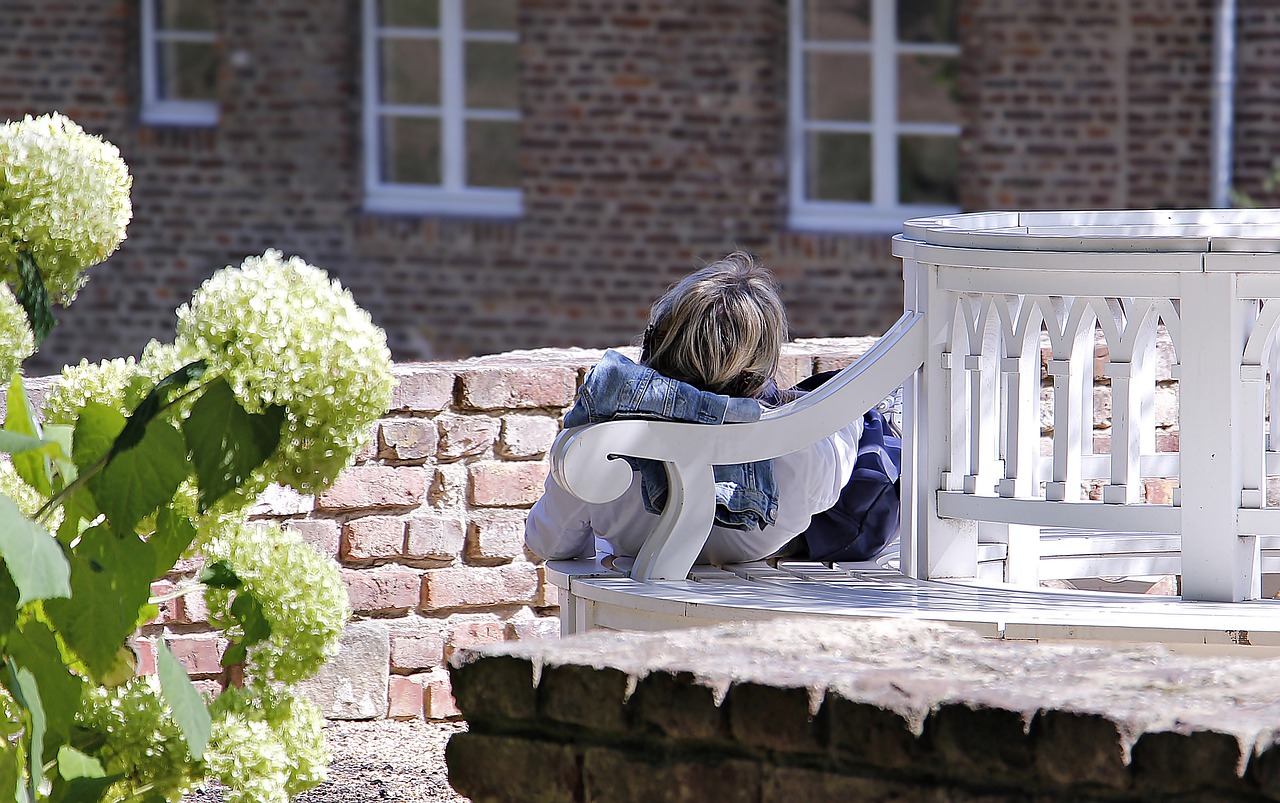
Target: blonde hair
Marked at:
720, 329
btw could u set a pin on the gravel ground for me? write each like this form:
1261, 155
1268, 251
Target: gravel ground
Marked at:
380, 760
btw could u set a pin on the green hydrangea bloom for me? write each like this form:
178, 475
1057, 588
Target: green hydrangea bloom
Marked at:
267, 745
142, 740
16, 340
64, 198
301, 592
282, 333
117, 383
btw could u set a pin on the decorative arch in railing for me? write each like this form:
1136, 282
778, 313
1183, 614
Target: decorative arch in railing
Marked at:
996, 287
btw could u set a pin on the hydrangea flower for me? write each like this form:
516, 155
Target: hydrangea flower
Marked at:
16, 341
64, 198
142, 740
282, 333
116, 383
266, 746
301, 592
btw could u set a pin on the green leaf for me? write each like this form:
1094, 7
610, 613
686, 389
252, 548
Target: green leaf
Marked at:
226, 442
34, 298
134, 483
61, 434
247, 610
22, 685
8, 604
11, 762
184, 701
34, 559
110, 582
96, 429
174, 534
20, 419
74, 764
219, 574
150, 406
34, 647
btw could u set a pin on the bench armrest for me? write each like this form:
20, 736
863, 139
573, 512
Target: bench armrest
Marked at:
583, 459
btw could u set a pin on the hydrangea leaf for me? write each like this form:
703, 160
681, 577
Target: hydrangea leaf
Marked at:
105, 566
74, 764
189, 710
147, 409
61, 435
34, 647
134, 483
227, 442
8, 602
22, 685
34, 558
11, 772
20, 419
219, 574
174, 534
248, 613
34, 298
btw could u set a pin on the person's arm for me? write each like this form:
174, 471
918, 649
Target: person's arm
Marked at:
559, 525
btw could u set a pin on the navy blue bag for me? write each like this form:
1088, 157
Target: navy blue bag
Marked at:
866, 516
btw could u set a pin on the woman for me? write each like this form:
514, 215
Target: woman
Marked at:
708, 355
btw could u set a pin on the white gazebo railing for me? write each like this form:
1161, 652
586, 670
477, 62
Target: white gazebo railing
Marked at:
991, 287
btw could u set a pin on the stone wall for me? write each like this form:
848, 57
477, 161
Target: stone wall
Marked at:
837, 710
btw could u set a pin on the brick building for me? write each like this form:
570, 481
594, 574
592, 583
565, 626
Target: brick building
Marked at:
496, 174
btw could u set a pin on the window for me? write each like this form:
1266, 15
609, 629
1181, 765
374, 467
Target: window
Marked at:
874, 122
179, 62
441, 113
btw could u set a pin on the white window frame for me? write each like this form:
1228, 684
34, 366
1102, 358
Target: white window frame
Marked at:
452, 196
884, 212
169, 111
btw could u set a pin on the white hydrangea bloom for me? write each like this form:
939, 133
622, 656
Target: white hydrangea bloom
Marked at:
282, 333
142, 740
64, 198
116, 383
267, 745
16, 340
301, 591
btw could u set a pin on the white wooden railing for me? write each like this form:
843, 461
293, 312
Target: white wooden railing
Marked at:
990, 287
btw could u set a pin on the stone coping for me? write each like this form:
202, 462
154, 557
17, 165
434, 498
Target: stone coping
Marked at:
912, 699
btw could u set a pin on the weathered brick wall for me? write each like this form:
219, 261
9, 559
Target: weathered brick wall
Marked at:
653, 140
836, 710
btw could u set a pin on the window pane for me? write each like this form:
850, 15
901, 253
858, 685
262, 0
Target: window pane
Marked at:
184, 15
491, 75
926, 21
410, 71
492, 154
839, 167
490, 15
927, 89
838, 20
409, 13
188, 71
928, 169
839, 86
411, 150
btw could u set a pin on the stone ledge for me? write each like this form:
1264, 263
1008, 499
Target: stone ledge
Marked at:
900, 706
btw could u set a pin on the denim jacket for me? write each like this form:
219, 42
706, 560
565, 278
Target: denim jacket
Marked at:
617, 388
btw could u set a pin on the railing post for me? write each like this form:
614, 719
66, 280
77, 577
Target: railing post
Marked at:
1217, 563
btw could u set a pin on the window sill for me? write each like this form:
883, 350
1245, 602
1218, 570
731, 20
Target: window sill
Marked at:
180, 113
858, 218
465, 203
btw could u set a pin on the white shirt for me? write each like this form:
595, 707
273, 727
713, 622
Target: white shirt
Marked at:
809, 481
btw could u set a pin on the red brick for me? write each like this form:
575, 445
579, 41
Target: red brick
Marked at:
525, 436
279, 500
376, 590
492, 539
479, 586
373, 537
435, 538
407, 439
422, 390
145, 650
497, 484
405, 698
463, 435
504, 388
199, 654
413, 651
370, 486
540, 627
323, 534
548, 595
192, 609
470, 634
169, 608
438, 702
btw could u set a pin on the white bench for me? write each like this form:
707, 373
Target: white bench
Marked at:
986, 515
